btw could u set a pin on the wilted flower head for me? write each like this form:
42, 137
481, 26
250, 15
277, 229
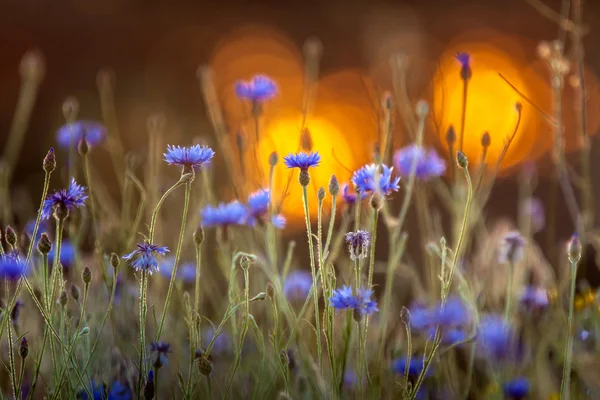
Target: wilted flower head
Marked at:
427, 162
144, 257
358, 244
297, 285
71, 134
67, 254
516, 389
12, 266
259, 88
512, 248
350, 197
159, 351
186, 272
191, 157
67, 199
533, 209
361, 302
302, 160
364, 179
225, 214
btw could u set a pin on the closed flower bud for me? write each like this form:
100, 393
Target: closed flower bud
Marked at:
11, 236
44, 245
334, 186
83, 147
114, 261
451, 135
75, 292
86, 275
462, 160
273, 159
246, 260
199, 235
63, 298
321, 193
70, 108
187, 177
149, 386
422, 109
377, 201
357, 315
304, 178
49, 161
485, 140
387, 101
24, 348
574, 249
205, 367
270, 290
261, 296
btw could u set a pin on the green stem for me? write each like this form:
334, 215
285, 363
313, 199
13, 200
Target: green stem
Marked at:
565, 392
347, 338
11, 352
176, 262
197, 283
509, 290
331, 224
143, 284
159, 205
57, 280
373, 240
314, 275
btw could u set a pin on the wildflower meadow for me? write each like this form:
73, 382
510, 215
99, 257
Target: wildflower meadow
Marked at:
184, 283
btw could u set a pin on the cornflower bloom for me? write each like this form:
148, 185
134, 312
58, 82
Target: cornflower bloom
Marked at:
225, 214
12, 266
260, 88
465, 65
71, 134
427, 162
364, 179
415, 367
360, 302
516, 389
67, 254
297, 285
160, 351
358, 244
258, 209
64, 200
453, 319
188, 157
144, 257
186, 272
512, 248
302, 160
496, 338
350, 197
534, 298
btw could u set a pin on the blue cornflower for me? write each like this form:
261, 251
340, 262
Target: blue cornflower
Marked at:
364, 179
358, 244
350, 197
533, 208
144, 257
516, 389
534, 298
278, 221
259, 88
12, 266
453, 313
495, 337
72, 133
453, 318
159, 351
191, 157
233, 213
119, 391
186, 272
512, 248
258, 203
428, 163
464, 59
297, 285
361, 302
415, 367
302, 160
67, 254
67, 199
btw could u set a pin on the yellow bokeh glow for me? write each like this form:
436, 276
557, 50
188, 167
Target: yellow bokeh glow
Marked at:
284, 135
490, 103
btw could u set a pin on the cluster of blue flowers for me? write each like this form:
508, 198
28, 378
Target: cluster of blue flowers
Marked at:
453, 319
360, 301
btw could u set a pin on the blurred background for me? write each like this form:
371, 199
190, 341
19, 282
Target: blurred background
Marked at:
151, 50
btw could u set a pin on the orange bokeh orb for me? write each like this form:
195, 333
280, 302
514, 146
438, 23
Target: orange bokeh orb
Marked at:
491, 102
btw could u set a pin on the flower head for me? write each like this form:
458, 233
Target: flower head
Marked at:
297, 285
358, 244
302, 160
278, 221
350, 197
364, 179
342, 298
361, 302
427, 162
12, 266
512, 248
495, 337
415, 367
160, 351
186, 272
65, 199
225, 214
534, 298
72, 133
192, 157
453, 318
464, 59
259, 88
67, 254
144, 257
258, 203
533, 209
516, 389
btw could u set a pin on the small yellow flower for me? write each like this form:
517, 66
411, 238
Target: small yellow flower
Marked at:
579, 303
554, 396
552, 295
589, 297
